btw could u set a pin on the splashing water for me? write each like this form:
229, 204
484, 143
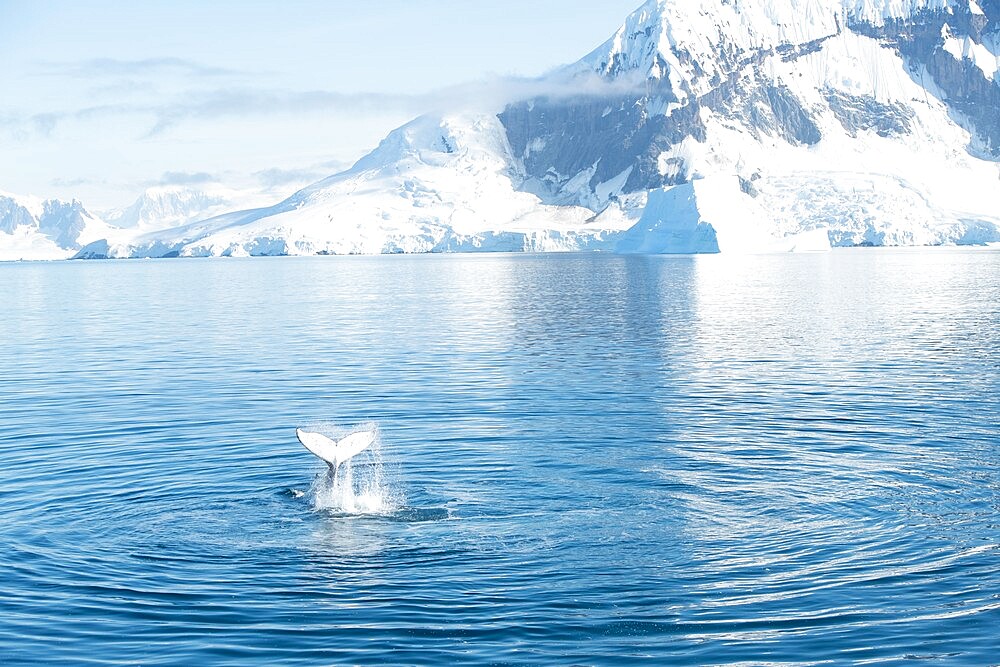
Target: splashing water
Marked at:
359, 485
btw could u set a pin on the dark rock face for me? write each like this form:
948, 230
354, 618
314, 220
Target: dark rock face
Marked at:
13, 215
972, 95
60, 221
557, 140
765, 109
63, 222
857, 113
974, 99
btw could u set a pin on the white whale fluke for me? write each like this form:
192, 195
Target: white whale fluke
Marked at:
335, 452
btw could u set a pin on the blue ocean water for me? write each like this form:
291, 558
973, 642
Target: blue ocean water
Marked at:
583, 459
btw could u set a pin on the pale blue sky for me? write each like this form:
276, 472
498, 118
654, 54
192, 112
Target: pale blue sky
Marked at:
101, 98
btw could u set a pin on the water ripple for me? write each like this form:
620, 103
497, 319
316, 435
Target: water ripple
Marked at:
597, 459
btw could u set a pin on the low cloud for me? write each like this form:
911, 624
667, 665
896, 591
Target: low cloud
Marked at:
486, 96
276, 178
273, 178
242, 102
185, 178
496, 93
121, 87
113, 67
75, 182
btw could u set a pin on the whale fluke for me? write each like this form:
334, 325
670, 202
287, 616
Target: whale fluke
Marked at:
332, 451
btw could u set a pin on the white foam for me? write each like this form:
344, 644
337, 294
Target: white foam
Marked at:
358, 486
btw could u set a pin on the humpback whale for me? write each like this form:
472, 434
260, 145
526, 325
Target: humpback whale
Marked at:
335, 452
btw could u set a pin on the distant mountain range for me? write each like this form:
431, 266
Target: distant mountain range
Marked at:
700, 126
169, 206
32, 228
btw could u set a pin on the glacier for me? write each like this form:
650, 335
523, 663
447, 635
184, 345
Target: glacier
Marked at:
713, 126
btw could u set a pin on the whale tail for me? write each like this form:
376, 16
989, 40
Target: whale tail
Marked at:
335, 452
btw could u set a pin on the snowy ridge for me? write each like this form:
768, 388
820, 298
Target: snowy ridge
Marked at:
692, 42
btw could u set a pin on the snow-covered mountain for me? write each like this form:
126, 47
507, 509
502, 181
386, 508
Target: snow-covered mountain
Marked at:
167, 206
435, 184
32, 228
862, 117
724, 125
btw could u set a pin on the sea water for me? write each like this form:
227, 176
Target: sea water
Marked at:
583, 459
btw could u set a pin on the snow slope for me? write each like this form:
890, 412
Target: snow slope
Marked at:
435, 184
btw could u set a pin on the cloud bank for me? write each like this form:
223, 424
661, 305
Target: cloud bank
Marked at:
163, 113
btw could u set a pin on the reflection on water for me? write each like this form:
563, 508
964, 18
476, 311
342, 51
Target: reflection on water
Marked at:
584, 459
